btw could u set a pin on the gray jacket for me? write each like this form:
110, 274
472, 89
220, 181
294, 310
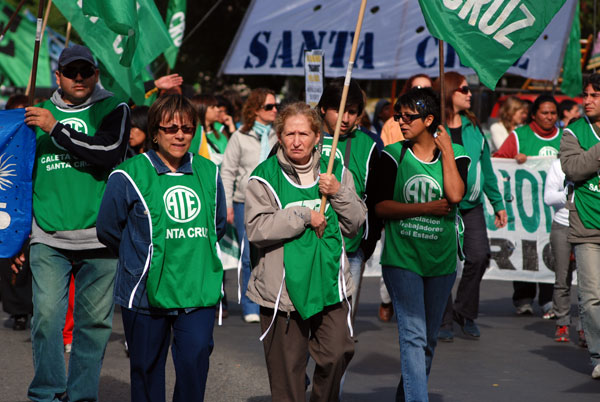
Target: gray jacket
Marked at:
241, 158
268, 227
579, 165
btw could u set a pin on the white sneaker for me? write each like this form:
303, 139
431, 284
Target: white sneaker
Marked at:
252, 318
524, 309
596, 372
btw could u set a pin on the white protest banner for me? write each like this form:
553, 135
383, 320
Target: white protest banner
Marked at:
313, 76
394, 41
520, 251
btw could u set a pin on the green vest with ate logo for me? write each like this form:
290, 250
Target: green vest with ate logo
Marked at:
185, 270
361, 146
312, 265
67, 190
587, 194
532, 144
427, 244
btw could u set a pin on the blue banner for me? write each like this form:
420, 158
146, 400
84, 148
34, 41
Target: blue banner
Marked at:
17, 154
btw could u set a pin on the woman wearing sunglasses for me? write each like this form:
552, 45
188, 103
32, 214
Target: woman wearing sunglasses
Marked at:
481, 180
246, 148
162, 213
420, 181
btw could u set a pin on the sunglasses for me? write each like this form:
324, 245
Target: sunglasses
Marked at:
174, 129
269, 106
72, 72
407, 117
463, 90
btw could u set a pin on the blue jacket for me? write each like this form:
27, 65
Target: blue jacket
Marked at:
123, 227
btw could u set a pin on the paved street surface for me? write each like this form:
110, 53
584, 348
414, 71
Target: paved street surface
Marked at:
515, 360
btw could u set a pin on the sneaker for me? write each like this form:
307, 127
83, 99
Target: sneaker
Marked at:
386, 311
252, 318
549, 315
596, 372
471, 329
562, 333
524, 309
20, 322
582, 342
445, 334
547, 307
68, 348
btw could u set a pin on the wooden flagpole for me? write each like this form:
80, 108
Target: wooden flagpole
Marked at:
338, 124
442, 84
36, 53
10, 21
68, 36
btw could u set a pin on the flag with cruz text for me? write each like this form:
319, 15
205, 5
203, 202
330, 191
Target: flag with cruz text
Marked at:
489, 36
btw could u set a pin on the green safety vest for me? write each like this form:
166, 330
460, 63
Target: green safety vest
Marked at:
312, 265
427, 245
185, 270
361, 147
531, 144
67, 190
217, 145
587, 194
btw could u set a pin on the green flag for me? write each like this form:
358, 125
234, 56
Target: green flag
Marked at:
108, 47
16, 51
175, 21
489, 36
572, 78
120, 16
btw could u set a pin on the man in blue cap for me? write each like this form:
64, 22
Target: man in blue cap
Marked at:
82, 133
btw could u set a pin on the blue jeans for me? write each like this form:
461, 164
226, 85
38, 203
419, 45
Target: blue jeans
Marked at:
94, 272
148, 337
248, 306
419, 304
357, 264
587, 256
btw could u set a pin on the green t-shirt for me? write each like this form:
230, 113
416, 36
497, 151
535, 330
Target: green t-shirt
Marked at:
312, 265
427, 244
185, 270
67, 190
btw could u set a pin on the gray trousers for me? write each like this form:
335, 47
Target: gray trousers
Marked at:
563, 270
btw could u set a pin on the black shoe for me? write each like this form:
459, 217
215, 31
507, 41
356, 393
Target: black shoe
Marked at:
20, 322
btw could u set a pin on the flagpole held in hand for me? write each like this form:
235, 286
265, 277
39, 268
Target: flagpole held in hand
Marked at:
10, 21
442, 84
338, 124
36, 53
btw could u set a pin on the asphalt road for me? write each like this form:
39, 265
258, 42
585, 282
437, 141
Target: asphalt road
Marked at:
516, 359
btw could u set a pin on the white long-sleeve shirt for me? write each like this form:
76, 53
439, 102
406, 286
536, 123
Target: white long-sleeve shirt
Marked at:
555, 193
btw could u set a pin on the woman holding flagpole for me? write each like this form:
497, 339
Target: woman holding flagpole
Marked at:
420, 182
481, 180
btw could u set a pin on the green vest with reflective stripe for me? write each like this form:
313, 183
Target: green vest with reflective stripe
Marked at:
531, 144
185, 270
587, 194
312, 265
67, 190
361, 146
427, 244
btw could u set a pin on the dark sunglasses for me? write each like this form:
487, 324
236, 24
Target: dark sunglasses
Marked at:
71, 72
269, 106
174, 129
408, 118
463, 90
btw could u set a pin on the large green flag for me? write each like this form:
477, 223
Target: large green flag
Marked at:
108, 47
572, 77
175, 20
16, 51
489, 36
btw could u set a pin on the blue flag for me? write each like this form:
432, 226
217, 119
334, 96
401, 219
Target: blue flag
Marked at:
17, 154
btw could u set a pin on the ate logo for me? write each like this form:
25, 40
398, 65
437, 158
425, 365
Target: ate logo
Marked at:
327, 151
422, 188
181, 203
548, 151
74, 123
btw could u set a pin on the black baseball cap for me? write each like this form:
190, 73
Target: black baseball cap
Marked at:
74, 53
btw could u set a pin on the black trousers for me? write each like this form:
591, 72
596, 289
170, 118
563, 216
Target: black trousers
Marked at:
15, 289
476, 248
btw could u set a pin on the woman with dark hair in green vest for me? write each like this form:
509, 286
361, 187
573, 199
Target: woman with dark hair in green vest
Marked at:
301, 279
162, 214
